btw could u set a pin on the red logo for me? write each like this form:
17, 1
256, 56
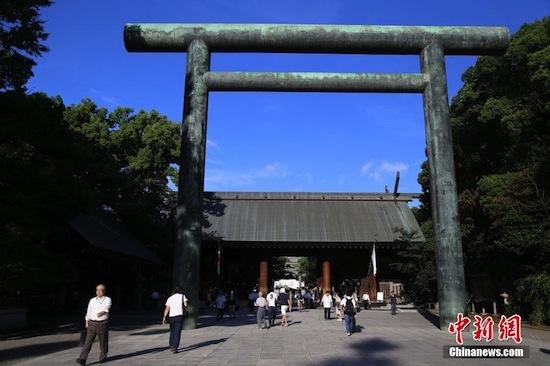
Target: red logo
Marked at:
510, 328
483, 328
458, 327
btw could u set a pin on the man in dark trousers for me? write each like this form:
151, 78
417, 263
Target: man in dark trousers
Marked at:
97, 316
393, 303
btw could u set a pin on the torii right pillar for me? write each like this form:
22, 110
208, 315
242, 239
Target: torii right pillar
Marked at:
444, 200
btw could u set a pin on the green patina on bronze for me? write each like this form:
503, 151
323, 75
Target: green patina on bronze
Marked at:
431, 43
316, 82
315, 38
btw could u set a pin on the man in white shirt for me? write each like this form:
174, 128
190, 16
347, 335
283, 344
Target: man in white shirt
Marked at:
366, 300
326, 301
349, 307
261, 304
272, 304
174, 310
96, 318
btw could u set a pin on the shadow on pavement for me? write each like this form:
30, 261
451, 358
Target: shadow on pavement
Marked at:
366, 352
209, 320
134, 354
201, 344
151, 332
35, 350
432, 318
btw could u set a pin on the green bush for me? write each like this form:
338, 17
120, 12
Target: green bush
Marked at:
533, 295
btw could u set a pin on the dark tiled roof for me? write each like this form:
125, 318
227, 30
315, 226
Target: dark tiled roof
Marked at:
308, 217
104, 232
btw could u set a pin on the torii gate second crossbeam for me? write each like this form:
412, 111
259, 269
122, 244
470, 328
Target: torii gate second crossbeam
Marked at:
431, 43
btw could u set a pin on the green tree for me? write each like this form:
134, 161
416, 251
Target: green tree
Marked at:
415, 262
307, 268
280, 268
21, 41
501, 140
56, 161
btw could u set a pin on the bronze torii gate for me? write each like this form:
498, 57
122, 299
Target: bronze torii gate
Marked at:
431, 43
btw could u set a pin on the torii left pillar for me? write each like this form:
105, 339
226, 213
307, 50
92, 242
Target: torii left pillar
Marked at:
187, 250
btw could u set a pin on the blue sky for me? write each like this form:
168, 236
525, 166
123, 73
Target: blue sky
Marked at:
269, 141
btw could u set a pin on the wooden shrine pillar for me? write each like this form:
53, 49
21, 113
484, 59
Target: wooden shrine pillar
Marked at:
371, 285
263, 282
326, 285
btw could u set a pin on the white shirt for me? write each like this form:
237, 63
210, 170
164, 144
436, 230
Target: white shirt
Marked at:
176, 303
346, 299
97, 305
271, 299
327, 301
260, 302
366, 296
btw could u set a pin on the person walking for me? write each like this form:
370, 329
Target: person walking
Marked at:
272, 307
299, 301
349, 307
393, 303
220, 305
252, 296
97, 316
326, 301
232, 301
366, 300
174, 309
261, 305
284, 302
338, 304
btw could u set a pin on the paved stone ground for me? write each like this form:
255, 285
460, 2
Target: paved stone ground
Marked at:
405, 339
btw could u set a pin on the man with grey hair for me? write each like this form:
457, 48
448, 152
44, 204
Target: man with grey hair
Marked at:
97, 316
261, 304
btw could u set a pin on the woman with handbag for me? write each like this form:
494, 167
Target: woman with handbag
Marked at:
175, 309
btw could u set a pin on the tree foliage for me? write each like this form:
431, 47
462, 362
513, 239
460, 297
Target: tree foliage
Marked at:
501, 139
57, 161
307, 268
21, 40
415, 263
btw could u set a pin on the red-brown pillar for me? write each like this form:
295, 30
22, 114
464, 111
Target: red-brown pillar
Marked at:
326, 276
263, 282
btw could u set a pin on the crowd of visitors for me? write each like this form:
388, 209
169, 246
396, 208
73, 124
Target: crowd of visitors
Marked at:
266, 307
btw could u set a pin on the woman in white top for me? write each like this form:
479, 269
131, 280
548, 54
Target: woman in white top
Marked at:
175, 307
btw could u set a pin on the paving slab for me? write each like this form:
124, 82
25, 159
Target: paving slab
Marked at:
381, 339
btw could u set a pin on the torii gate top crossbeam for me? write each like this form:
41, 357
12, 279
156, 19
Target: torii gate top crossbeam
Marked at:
371, 39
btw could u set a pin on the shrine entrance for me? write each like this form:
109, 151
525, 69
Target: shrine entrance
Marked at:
244, 232
430, 43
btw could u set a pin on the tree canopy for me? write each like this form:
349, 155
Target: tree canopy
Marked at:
58, 161
501, 137
22, 39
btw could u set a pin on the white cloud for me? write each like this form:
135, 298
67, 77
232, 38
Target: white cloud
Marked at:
212, 144
224, 178
394, 167
104, 98
376, 175
365, 168
384, 170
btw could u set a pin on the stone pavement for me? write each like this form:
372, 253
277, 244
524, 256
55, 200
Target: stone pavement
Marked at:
405, 339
